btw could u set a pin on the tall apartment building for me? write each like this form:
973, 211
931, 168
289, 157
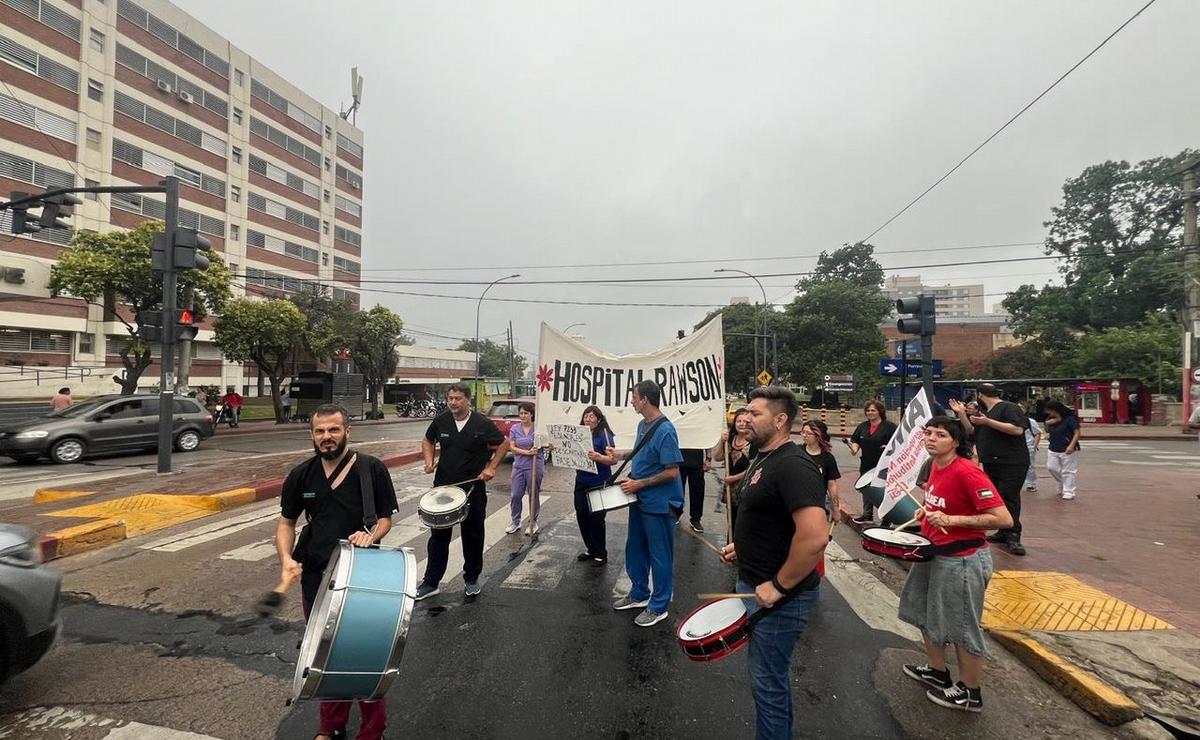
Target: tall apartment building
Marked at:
952, 300
124, 92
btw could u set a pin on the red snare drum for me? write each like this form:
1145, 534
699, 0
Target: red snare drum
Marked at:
714, 630
895, 544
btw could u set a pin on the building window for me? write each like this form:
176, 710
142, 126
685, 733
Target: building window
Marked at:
235, 193
95, 90
237, 116
87, 344
235, 232
328, 164
239, 77
237, 155
324, 227
91, 184
96, 40
93, 138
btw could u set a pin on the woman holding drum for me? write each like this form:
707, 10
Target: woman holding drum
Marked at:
591, 525
528, 468
944, 596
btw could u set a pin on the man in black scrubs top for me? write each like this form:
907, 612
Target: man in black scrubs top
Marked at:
328, 489
465, 439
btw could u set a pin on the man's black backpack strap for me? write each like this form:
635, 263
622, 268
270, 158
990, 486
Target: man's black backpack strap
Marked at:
366, 485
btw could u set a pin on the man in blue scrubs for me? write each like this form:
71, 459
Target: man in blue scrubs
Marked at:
650, 545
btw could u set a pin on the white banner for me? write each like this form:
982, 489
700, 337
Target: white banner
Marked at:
572, 443
903, 457
572, 376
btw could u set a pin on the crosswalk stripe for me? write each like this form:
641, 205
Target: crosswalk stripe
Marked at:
208, 532
493, 532
253, 552
1159, 463
68, 720
1180, 456
544, 565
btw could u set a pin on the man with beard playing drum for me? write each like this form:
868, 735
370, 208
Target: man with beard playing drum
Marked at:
780, 535
331, 489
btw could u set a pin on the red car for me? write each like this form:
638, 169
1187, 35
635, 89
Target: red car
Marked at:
504, 412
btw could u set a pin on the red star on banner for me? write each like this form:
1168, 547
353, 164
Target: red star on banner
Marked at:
720, 365
545, 377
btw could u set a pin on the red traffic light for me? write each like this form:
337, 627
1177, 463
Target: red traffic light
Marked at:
185, 317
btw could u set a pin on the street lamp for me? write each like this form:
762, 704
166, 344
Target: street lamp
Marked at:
478, 306
764, 311
578, 323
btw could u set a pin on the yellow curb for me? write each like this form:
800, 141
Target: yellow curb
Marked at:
90, 536
49, 495
230, 499
1097, 698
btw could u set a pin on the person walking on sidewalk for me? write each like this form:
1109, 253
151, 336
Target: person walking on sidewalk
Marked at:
591, 524
867, 443
1000, 444
528, 462
650, 539
464, 439
1063, 462
61, 400
695, 464
944, 597
1033, 439
780, 537
329, 490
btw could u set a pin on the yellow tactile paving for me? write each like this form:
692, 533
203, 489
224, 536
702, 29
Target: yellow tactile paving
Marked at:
1056, 602
146, 512
49, 496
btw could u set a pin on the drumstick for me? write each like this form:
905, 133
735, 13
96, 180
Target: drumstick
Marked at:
710, 597
728, 495
462, 482
269, 604
707, 544
920, 506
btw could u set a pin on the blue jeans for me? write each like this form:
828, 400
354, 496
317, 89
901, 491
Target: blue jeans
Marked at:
769, 660
650, 547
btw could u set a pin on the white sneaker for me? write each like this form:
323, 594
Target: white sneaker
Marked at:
512, 529
1068, 496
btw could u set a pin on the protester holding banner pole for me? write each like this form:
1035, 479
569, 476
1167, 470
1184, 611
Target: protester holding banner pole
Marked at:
528, 468
591, 525
867, 443
741, 452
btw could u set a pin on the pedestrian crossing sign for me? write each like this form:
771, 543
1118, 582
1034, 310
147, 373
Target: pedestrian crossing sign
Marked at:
764, 378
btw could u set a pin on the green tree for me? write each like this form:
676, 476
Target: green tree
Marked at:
742, 319
1033, 359
373, 349
1147, 351
854, 263
833, 327
329, 322
113, 270
1117, 231
262, 332
494, 358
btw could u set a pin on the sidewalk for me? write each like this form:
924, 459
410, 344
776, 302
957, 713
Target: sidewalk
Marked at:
266, 426
70, 521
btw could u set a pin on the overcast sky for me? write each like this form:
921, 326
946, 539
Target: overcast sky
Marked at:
518, 137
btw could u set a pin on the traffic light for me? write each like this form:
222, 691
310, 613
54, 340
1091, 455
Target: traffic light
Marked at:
923, 318
53, 207
150, 325
188, 253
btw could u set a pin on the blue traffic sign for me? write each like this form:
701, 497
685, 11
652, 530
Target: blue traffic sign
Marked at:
891, 368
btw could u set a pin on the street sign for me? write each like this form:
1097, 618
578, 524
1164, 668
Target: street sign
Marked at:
890, 368
1196, 375
839, 383
763, 378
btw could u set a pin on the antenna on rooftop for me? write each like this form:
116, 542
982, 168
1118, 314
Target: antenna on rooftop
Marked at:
356, 85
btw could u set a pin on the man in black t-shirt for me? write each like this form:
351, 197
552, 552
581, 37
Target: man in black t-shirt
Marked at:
328, 490
779, 537
465, 439
1000, 445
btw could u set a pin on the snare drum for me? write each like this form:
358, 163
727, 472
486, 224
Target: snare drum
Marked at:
714, 630
357, 627
895, 544
609, 498
443, 507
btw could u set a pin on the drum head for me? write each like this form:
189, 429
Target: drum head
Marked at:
894, 537
443, 499
711, 619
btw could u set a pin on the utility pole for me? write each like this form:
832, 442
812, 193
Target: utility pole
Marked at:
1191, 288
512, 363
903, 375
166, 361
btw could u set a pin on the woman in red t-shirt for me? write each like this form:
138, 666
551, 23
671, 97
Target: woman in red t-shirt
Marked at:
944, 597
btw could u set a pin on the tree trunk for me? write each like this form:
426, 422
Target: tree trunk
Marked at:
376, 390
133, 371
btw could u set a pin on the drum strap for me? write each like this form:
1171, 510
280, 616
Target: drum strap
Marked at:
650, 430
367, 487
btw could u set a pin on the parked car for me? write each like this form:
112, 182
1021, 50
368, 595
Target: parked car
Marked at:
29, 617
102, 425
504, 412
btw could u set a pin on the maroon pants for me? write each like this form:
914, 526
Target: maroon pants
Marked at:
335, 714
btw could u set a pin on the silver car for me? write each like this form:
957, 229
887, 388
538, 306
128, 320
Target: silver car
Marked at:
29, 617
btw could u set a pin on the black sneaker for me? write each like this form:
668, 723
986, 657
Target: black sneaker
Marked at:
424, 591
957, 696
583, 556
1015, 547
697, 526
863, 520
1000, 538
929, 676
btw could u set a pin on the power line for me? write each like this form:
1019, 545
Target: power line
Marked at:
1007, 123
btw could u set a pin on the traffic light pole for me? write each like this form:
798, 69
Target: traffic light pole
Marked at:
166, 377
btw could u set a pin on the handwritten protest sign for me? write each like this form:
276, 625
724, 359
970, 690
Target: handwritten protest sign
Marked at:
571, 446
